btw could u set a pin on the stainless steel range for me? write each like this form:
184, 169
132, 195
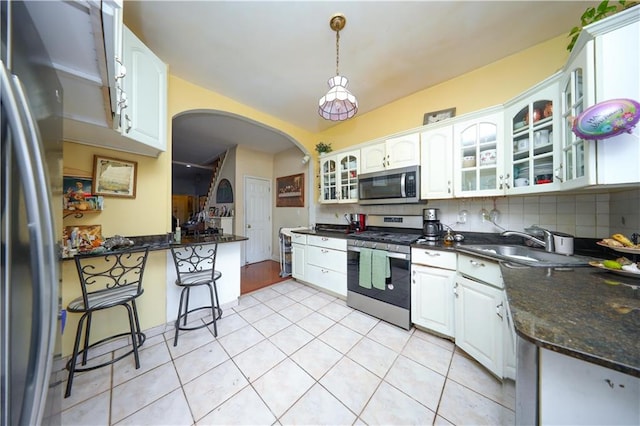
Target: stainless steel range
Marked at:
379, 266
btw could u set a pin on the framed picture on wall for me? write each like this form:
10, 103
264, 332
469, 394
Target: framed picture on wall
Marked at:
290, 191
113, 177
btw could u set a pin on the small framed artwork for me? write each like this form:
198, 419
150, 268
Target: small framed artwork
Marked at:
290, 191
76, 190
435, 116
113, 177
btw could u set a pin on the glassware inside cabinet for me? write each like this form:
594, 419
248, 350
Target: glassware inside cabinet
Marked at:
349, 177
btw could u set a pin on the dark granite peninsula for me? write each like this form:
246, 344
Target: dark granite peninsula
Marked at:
585, 313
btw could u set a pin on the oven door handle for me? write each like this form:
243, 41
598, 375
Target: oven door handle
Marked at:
390, 254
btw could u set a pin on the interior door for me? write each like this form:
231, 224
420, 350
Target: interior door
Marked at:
257, 219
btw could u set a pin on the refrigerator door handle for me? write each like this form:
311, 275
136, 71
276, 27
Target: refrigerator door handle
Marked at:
28, 153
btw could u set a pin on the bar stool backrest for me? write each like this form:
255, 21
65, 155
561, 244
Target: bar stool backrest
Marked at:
197, 258
110, 273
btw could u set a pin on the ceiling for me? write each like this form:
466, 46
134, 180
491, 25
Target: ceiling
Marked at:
276, 57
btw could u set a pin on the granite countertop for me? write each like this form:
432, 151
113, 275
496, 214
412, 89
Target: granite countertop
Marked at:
582, 312
161, 242
586, 313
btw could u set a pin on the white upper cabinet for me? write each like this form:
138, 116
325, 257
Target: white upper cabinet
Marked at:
339, 177
478, 155
393, 153
617, 54
577, 155
436, 173
144, 108
532, 163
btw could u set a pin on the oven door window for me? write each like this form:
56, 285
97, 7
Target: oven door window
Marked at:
397, 290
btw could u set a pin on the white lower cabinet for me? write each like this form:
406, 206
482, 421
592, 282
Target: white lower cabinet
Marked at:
478, 327
577, 392
326, 264
480, 312
298, 261
433, 276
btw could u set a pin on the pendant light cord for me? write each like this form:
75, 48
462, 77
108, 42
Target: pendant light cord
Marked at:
337, 51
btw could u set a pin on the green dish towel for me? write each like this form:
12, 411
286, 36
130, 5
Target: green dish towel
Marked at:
380, 269
364, 270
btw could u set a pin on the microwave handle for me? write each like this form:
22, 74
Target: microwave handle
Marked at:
403, 181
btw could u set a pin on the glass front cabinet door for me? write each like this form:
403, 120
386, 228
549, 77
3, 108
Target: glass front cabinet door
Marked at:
339, 177
328, 180
531, 160
578, 156
478, 155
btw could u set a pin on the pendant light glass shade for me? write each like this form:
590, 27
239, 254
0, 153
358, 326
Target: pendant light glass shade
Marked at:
338, 104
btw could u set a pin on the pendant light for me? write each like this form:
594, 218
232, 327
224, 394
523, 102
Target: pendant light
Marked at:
338, 104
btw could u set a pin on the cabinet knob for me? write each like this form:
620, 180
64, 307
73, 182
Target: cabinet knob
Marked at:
324, 250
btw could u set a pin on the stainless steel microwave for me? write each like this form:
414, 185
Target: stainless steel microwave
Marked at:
396, 186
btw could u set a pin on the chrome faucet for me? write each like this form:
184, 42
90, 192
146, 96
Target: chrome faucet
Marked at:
547, 243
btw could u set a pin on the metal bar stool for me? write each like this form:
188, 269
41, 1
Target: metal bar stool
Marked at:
195, 266
107, 281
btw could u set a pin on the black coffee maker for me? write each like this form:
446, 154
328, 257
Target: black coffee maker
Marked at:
431, 226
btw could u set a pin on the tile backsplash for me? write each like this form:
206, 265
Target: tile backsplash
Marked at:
593, 215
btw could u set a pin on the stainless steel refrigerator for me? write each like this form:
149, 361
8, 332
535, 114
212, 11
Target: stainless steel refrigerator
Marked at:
31, 187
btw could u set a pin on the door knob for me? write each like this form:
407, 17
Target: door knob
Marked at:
248, 226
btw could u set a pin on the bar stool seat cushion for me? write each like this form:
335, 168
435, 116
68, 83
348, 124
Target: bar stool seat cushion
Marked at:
197, 278
105, 299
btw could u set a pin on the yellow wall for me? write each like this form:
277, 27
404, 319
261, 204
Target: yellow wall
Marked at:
147, 214
491, 85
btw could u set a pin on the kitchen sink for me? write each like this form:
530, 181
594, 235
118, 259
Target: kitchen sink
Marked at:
524, 255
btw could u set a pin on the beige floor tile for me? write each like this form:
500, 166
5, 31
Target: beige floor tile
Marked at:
421, 383
315, 323
295, 312
259, 359
272, 324
460, 405
373, 356
93, 411
171, 409
279, 303
352, 384
244, 302
131, 396
340, 338
229, 323
357, 321
291, 339
335, 310
286, 287
440, 341
315, 302
199, 361
256, 313
301, 293
264, 294
244, 408
390, 336
471, 374
283, 385
327, 296
428, 354
188, 340
317, 407
389, 406
240, 340
150, 358
214, 387
316, 357
89, 383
